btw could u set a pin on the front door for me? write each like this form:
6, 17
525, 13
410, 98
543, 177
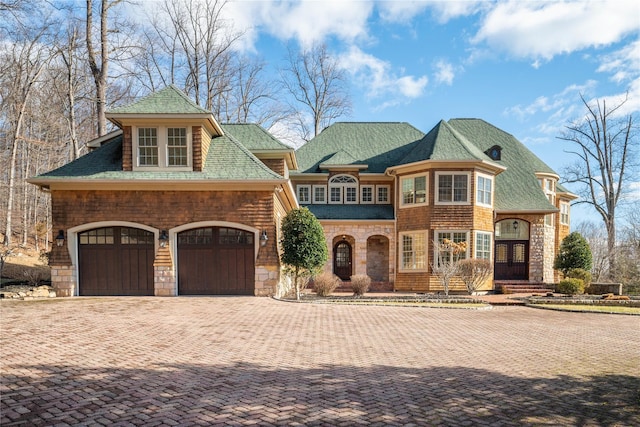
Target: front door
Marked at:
512, 260
342, 260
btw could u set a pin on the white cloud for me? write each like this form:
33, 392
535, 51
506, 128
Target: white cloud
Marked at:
444, 72
542, 30
380, 79
310, 22
443, 10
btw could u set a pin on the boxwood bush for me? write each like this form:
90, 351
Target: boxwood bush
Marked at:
571, 286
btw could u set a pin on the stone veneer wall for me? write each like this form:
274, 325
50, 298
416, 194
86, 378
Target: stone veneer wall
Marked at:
541, 252
64, 280
358, 235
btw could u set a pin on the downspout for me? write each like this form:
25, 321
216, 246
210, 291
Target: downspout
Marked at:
392, 173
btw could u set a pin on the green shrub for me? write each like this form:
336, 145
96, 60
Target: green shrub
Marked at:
574, 253
580, 273
360, 284
325, 283
571, 286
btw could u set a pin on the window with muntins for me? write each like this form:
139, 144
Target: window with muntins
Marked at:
343, 188
319, 194
366, 194
304, 194
483, 245
414, 190
177, 148
147, 146
483, 190
455, 237
413, 250
382, 194
564, 213
452, 188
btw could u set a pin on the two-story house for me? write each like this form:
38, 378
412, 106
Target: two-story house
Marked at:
385, 193
174, 203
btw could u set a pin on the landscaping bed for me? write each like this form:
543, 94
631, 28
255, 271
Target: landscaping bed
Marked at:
430, 300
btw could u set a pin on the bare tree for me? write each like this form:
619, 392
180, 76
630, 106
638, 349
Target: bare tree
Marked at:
606, 143
99, 61
21, 65
446, 263
316, 82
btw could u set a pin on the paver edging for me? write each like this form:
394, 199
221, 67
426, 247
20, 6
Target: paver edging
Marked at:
569, 309
395, 302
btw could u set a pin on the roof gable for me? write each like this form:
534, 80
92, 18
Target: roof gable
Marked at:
376, 144
517, 188
169, 100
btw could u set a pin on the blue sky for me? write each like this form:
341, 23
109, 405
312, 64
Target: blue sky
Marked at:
520, 65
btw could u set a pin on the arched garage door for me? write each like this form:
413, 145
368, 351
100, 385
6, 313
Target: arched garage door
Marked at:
216, 261
115, 261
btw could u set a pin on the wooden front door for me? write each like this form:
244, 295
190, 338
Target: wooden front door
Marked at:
216, 261
512, 260
342, 260
115, 261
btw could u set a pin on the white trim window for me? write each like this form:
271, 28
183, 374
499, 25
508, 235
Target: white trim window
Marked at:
147, 146
366, 194
564, 213
383, 196
483, 245
343, 188
413, 190
304, 194
484, 190
177, 147
452, 188
162, 147
455, 236
319, 194
413, 251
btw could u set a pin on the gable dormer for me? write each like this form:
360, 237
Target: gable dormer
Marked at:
165, 131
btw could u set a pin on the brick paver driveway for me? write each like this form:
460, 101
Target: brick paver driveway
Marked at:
241, 361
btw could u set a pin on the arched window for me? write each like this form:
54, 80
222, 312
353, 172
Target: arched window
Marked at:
343, 189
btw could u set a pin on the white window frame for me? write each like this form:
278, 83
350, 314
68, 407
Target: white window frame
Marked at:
413, 179
373, 194
436, 238
565, 209
299, 195
549, 220
388, 198
345, 191
316, 200
425, 253
452, 174
476, 246
162, 148
349, 181
490, 179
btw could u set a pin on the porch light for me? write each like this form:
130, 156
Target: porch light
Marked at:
515, 225
263, 238
163, 239
60, 238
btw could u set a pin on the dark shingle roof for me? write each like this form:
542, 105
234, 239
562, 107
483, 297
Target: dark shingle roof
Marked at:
517, 188
357, 212
169, 100
227, 159
377, 145
254, 137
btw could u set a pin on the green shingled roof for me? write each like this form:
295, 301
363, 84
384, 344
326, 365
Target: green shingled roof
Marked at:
356, 212
254, 137
376, 144
443, 142
169, 100
517, 188
227, 160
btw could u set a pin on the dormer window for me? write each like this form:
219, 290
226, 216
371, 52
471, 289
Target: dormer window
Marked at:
494, 152
163, 147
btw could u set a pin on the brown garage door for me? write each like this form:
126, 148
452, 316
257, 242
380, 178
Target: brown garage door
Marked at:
115, 261
216, 261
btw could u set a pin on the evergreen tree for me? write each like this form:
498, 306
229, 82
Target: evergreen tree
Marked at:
303, 244
574, 253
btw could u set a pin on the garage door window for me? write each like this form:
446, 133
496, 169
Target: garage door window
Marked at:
101, 236
232, 236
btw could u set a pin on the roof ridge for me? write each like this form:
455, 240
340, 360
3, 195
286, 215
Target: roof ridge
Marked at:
470, 147
250, 155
